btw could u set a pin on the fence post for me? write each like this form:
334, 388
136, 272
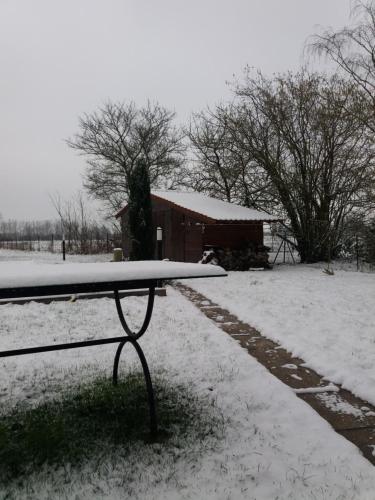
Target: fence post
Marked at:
63, 246
357, 251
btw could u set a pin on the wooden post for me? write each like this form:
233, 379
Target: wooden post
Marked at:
357, 251
63, 246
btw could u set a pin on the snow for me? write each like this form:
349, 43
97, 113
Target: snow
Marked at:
26, 274
274, 445
329, 321
336, 404
316, 390
211, 207
49, 257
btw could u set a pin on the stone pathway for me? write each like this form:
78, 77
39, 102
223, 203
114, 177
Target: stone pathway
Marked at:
350, 416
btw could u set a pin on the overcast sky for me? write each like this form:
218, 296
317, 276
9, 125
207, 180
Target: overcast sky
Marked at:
59, 59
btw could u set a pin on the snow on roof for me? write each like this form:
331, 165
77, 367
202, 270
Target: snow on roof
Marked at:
213, 208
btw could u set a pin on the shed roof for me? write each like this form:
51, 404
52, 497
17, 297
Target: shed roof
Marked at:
211, 208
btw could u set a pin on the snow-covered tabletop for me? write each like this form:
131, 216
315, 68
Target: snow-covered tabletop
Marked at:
15, 275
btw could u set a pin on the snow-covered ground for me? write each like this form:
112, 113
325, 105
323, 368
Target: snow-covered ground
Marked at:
329, 321
20, 255
274, 446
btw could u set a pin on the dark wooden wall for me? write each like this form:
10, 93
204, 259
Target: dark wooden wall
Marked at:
233, 235
182, 234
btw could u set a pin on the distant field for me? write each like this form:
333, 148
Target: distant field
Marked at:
45, 256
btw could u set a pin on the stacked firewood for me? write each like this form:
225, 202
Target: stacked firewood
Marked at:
251, 255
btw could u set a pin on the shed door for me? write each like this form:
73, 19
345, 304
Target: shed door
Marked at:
193, 243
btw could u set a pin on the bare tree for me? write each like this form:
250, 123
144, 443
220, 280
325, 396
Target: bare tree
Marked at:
319, 155
79, 225
221, 166
27, 235
214, 172
353, 50
115, 137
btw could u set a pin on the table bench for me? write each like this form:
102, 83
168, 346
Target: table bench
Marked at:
29, 279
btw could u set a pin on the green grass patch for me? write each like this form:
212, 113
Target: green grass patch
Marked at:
95, 417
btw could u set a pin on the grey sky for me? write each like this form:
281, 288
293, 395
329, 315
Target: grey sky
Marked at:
59, 59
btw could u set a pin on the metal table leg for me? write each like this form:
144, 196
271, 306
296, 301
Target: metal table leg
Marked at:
132, 338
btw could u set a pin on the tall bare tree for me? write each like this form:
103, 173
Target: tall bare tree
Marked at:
301, 129
353, 50
214, 171
221, 166
113, 139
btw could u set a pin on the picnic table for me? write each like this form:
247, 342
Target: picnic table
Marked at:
31, 279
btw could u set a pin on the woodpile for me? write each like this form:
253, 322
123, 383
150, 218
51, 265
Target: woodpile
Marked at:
251, 255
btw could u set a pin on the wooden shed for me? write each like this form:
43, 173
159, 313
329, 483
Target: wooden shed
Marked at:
192, 222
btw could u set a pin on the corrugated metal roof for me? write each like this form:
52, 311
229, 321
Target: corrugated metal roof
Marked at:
213, 208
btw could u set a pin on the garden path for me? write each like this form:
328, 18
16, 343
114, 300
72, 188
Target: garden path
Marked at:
350, 416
